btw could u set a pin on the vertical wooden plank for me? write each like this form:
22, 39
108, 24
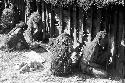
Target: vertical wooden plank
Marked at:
44, 18
27, 13
94, 13
84, 26
81, 25
77, 23
60, 16
104, 26
71, 20
63, 27
74, 24
89, 23
113, 35
120, 67
23, 10
96, 22
52, 21
69, 23
49, 19
39, 6
93, 31
116, 32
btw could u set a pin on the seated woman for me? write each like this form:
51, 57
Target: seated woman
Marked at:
87, 63
34, 33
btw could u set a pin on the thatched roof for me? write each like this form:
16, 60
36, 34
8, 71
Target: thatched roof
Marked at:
85, 3
81, 3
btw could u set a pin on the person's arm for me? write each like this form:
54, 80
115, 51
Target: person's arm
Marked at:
28, 36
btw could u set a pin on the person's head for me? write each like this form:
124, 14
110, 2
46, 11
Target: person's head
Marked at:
67, 26
67, 31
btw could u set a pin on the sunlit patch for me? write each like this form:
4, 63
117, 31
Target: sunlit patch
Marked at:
122, 43
112, 50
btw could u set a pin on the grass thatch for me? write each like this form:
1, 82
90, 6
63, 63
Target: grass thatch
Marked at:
84, 2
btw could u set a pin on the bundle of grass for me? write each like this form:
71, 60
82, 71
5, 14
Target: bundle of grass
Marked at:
14, 39
7, 20
61, 48
34, 62
33, 66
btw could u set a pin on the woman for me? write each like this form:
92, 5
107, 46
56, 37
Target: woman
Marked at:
34, 33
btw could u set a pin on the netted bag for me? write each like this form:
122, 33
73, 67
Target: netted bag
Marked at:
61, 62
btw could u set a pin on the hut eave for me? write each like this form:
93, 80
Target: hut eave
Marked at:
85, 3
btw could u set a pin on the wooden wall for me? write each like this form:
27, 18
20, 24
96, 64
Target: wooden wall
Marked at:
110, 18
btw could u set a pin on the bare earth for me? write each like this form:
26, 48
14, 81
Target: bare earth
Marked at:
9, 72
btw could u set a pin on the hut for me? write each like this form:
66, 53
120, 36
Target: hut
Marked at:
84, 17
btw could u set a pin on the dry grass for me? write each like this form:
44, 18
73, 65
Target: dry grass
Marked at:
9, 72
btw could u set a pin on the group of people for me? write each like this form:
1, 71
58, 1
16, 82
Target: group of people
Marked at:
67, 54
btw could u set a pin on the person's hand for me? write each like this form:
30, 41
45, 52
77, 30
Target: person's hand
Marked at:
34, 45
74, 57
122, 43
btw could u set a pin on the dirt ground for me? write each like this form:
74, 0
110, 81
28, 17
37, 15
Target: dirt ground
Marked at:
9, 72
